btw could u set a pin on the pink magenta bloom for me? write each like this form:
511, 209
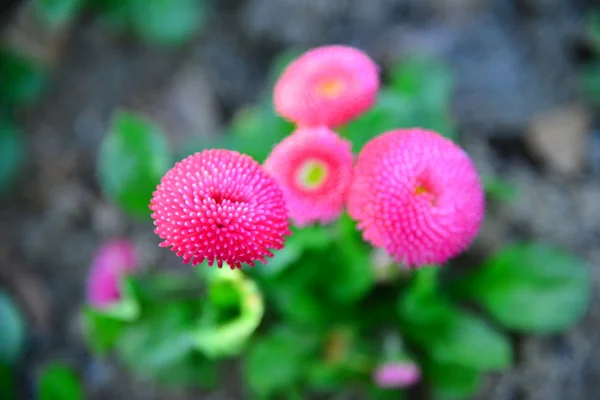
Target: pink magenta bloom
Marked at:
313, 166
418, 195
395, 375
220, 205
112, 261
328, 85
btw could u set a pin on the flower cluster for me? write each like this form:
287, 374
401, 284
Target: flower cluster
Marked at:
413, 193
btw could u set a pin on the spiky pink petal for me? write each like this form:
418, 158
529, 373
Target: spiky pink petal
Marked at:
308, 150
220, 205
418, 195
328, 85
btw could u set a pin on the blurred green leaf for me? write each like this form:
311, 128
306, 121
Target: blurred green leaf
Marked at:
216, 338
160, 347
127, 308
167, 22
12, 330
593, 28
56, 13
256, 130
11, 154
423, 80
590, 80
450, 335
101, 331
132, 159
22, 81
499, 189
277, 361
59, 382
453, 382
7, 382
531, 287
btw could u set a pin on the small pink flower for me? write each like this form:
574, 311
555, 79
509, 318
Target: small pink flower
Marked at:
395, 375
328, 85
113, 260
314, 168
418, 195
220, 205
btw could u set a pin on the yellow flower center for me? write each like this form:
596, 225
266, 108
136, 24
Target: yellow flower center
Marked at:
331, 87
312, 174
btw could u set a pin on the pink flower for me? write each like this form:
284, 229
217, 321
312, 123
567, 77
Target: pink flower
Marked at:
418, 195
394, 375
220, 205
328, 85
113, 260
314, 168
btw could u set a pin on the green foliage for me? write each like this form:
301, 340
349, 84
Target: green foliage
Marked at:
499, 189
448, 334
133, 157
59, 382
11, 154
22, 80
7, 382
531, 287
453, 382
56, 13
12, 331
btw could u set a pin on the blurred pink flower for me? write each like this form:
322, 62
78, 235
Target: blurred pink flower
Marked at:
328, 85
313, 166
113, 260
396, 375
417, 195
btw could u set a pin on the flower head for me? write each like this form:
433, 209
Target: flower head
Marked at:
220, 205
328, 85
396, 375
418, 195
112, 261
314, 168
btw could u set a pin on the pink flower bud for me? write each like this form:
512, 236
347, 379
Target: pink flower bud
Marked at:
396, 375
113, 260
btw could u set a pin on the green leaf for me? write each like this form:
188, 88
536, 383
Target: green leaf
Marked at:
22, 80
59, 382
256, 130
499, 189
425, 81
127, 308
133, 157
590, 82
450, 335
215, 338
453, 382
7, 382
284, 354
12, 330
167, 22
160, 347
11, 154
56, 13
532, 288
101, 331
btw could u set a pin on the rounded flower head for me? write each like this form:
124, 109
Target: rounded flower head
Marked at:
396, 375
328, 85
219, 205
313, 166
418, 195
112, 261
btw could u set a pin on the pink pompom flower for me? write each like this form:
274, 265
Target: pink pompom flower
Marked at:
314, 168
418, 195
328, 85
396, 375
113, 260
220, 205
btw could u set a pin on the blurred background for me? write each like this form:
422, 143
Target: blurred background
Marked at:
524, 104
